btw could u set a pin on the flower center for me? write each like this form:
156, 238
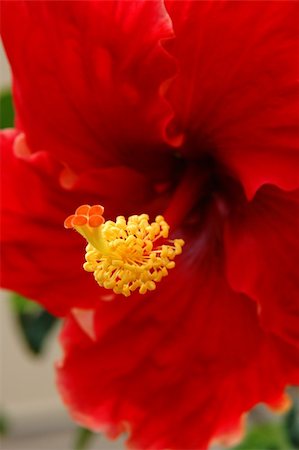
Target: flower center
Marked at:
190, 189
125, 255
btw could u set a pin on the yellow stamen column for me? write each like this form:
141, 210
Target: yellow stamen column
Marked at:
125, 255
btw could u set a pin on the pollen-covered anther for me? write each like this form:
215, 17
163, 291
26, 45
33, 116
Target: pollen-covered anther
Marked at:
125, 255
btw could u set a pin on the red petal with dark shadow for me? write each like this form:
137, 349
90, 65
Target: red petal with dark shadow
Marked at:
176, 368
262, 247
237, 93
40, 259
88, 77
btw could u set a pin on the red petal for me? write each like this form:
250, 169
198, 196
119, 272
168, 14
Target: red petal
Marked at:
236, 92
176, 370
40, 259
85, 318
87, 76
262, 254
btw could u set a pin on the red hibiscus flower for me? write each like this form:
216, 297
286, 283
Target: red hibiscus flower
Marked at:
183, 108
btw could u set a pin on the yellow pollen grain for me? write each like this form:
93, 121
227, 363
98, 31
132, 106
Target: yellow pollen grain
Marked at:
125, 255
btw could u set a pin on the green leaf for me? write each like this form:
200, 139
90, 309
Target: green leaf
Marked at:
34, 322
4, 425
83, 438
6, 110
267, 436
292, 424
